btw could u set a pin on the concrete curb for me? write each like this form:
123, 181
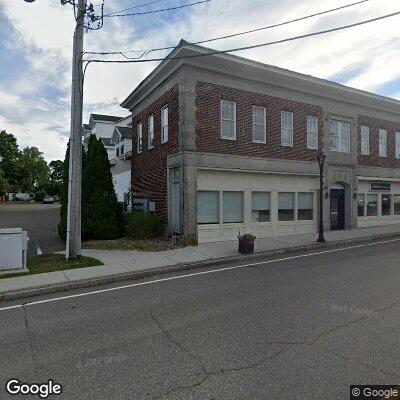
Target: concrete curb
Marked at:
136, 275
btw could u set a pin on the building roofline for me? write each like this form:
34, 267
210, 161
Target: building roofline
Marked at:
183, 45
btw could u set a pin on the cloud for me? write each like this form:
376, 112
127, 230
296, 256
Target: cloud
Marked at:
36, 48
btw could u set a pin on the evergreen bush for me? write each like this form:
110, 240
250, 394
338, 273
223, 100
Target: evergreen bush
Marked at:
144, 225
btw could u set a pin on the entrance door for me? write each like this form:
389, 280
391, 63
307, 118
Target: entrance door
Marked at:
337, 209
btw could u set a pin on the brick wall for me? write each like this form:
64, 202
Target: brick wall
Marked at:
208, 98
149, 168
373, 160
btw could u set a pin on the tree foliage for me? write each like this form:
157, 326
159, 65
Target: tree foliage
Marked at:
100, 213
4, 185
9, 154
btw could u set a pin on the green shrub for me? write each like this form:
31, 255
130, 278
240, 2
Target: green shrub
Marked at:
39, 195
144, 225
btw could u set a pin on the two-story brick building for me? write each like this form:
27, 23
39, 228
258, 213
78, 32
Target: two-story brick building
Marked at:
224, 144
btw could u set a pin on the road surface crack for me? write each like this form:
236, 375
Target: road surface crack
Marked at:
207, 374
29, 336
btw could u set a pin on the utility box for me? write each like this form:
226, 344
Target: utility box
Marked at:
13, 249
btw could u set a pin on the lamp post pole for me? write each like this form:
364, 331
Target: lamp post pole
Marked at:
321, 161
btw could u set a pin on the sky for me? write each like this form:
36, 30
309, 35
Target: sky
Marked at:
36, 50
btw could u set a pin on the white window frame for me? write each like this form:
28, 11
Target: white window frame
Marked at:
139, 138
164, 124
150, 133
225, 119
264, 125
310, 132
340, 136
398, 145
365, 140
283, 114
383, 151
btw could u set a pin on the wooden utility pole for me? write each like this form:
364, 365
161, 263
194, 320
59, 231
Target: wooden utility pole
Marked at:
73, 250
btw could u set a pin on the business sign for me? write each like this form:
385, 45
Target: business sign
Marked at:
381, 186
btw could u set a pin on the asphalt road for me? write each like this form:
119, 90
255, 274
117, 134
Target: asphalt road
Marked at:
300, 328
40, 220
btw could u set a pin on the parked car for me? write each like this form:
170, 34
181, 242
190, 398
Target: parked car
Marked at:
48, 200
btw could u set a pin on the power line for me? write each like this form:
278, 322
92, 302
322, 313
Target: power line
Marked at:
157, 11
133, 7
214, 52
147, 51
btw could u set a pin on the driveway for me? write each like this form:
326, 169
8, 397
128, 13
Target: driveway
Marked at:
40, 220
304, 327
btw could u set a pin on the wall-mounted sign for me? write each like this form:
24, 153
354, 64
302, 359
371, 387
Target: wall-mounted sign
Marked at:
381, 186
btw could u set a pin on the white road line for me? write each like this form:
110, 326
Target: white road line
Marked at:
100, 291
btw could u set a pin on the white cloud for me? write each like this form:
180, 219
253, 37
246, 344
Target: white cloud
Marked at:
44, 29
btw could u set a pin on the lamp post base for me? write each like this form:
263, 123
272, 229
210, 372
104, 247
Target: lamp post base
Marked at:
321, 239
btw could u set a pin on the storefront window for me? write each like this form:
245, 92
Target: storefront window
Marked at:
260, 207
361, 203
386, 204
305, 207
208, 207
232, 207
372, 205
396, 204
285, 206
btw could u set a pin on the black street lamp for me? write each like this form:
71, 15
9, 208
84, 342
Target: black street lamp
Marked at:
321, 161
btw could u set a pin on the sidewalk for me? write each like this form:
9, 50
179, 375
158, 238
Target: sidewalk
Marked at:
121, 265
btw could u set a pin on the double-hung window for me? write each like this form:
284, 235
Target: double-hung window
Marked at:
260, 207
312, 132
164, 124
259, 124
365, 140
150, 131
285, 206
228, 120
398, 145
382, 143
340, 136
305, 206
139, 138
286, 128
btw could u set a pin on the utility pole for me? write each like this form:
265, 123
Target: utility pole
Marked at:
73, 250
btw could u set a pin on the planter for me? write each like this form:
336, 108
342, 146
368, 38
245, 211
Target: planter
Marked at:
246, 245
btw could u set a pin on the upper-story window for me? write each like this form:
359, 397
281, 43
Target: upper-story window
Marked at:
287, 128
312, 132
228, 120
139, 138
365, 140
259, 124
150, 131
340, 136
398, 145
382, 143
164, 124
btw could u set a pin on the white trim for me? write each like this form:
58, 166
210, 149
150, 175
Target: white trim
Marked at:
167, 125
264, 125
150, 134
309, 146
222, 119
377, 178
283, 113
383, 132
139, 138
365, 140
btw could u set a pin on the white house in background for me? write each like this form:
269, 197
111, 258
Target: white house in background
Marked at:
102, 126
121, 165
116, 135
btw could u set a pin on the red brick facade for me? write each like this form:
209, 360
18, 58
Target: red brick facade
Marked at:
149, 168
373, 160
208, 138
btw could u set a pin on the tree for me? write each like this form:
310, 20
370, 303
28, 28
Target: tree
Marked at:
8, 156
100, 216
4, 185
32, 171
62, 225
